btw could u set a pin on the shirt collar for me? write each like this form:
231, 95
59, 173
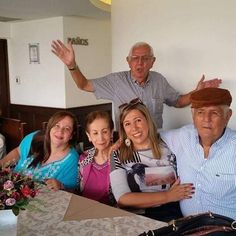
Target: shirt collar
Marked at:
136, 82
219, 141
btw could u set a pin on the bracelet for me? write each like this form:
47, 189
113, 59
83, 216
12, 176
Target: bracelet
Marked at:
74, 68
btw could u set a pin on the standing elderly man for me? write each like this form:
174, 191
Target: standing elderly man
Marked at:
206, 154
121, 87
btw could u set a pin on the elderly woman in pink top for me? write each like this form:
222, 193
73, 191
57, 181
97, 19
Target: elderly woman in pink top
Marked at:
94, 164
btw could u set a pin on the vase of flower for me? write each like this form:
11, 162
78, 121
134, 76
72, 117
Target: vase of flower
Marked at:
16, 191
8, 223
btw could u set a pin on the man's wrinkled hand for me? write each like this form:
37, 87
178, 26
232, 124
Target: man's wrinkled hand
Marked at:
213, 83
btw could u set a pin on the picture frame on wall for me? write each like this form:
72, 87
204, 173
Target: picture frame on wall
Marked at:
34, 53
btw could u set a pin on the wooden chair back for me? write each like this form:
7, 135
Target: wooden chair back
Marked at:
13, 130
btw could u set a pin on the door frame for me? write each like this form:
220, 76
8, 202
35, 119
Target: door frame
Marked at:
4, 79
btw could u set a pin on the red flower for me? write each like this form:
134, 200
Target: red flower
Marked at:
33, 193
16, 196
26, 191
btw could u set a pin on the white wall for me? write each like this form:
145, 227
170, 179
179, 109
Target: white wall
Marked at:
49, 83
5, 30
94, 60
40, 84
189, 37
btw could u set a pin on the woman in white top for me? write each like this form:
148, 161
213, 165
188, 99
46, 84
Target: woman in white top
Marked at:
145, 176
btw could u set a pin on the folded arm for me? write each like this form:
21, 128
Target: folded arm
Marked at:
126, 198
150, 199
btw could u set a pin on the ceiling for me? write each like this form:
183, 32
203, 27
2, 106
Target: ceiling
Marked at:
11, 10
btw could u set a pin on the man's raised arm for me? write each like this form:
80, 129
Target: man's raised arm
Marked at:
184, 100
67, 56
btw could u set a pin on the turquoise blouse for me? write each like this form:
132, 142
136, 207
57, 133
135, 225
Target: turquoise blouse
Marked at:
64, 170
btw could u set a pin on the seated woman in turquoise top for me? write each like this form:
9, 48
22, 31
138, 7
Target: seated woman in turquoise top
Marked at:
49, 157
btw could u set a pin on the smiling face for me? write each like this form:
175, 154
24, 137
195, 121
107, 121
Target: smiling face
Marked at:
100, 134
61, 132
211, 121
140, 63
136, 128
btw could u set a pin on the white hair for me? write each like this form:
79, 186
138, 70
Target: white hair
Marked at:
140, 44
225, 109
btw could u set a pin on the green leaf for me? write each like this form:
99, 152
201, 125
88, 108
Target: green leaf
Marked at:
22, 202
15, 210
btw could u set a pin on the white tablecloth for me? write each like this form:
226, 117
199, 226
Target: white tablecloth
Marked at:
48, 220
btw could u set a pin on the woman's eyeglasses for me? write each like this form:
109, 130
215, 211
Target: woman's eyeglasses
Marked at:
133, 102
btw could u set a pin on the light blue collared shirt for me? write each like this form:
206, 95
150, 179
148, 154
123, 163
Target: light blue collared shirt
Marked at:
214, 178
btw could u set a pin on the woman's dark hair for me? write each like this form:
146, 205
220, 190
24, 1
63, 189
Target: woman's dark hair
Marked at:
40, 146
96, 115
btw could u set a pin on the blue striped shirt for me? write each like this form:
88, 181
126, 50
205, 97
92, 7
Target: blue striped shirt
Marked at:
214, 178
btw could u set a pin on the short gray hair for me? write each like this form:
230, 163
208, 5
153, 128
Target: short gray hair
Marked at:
140, 44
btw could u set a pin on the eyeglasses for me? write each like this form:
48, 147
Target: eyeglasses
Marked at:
132, 103
144, 59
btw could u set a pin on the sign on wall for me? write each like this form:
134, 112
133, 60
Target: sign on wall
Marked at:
78, 41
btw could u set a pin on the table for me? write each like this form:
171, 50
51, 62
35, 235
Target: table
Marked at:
48, 220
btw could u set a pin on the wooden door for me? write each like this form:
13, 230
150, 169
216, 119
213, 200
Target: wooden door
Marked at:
4, 79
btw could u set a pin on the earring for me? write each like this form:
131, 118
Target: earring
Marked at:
127, 142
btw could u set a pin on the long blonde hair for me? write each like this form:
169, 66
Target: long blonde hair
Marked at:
126, 153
